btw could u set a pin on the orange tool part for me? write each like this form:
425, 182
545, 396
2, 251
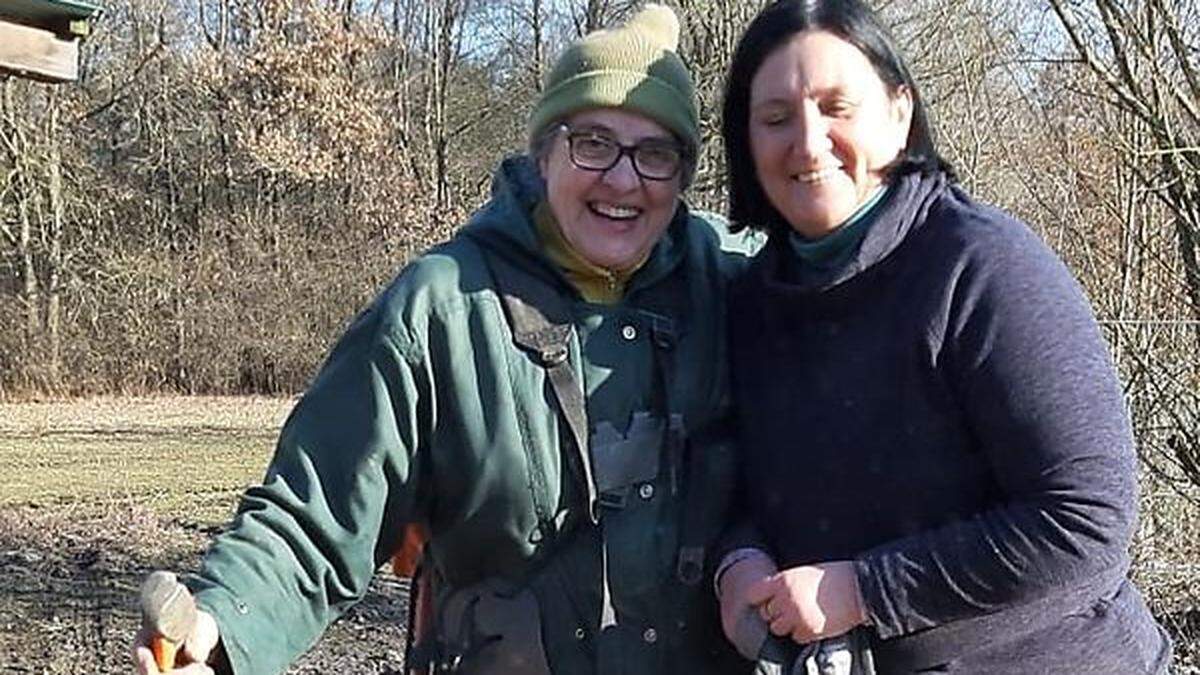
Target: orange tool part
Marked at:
407, 562
406, 559
164, 653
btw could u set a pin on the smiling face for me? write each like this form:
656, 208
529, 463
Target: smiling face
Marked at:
823, 130
612, 218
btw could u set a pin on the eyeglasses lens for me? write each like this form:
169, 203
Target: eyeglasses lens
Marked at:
652, 160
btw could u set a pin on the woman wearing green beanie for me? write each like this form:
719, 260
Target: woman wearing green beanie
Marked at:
543, 396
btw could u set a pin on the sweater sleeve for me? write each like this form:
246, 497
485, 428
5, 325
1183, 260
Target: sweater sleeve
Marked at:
305, 544
1040, 396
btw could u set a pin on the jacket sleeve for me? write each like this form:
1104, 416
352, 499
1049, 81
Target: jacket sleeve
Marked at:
1040, 396
340, 488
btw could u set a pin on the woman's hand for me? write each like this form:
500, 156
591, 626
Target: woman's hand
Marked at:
810, 602
193, 654
739, 617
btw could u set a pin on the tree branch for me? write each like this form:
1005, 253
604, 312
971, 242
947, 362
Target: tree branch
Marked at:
1109, 17
117, 96
1180, 49
1071, 24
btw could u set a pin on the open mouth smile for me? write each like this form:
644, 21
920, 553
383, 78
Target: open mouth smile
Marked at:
816, 175
614, 211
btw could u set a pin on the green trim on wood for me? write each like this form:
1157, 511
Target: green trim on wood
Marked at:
47, 11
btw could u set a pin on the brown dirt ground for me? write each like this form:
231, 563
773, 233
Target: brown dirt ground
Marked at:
68, 591
70, 570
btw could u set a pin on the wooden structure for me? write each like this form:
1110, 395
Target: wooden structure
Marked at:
40, 39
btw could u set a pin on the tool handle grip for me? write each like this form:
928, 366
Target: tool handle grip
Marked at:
168, 614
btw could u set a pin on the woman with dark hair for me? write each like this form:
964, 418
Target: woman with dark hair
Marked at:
938, 462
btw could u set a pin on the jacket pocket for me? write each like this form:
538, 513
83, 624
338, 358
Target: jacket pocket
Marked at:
621, 460
493, 629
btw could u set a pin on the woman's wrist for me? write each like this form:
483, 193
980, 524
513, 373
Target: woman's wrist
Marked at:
732, 558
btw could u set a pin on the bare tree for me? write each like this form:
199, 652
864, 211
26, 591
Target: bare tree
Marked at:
18, 191
1143, 54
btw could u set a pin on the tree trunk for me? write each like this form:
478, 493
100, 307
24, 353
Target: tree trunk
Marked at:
1191, 265
443, 65
55, 259
1185, 202
539, 57
29, 283
24, 239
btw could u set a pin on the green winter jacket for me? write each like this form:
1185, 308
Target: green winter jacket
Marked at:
427, 411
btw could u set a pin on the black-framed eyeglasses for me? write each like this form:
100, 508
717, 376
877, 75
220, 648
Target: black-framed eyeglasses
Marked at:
652, 159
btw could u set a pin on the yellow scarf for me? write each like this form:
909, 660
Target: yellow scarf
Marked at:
596, 284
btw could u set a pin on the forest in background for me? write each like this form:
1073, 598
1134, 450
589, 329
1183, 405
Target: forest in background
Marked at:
231, 180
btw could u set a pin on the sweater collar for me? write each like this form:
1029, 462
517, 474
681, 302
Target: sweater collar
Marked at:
892, 221
841, 243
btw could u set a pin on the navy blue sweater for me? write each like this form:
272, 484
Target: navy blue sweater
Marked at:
941, 409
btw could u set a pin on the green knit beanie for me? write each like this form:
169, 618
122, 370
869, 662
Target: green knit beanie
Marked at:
633, 67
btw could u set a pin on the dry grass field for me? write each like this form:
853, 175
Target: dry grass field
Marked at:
183, 459
94, 494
